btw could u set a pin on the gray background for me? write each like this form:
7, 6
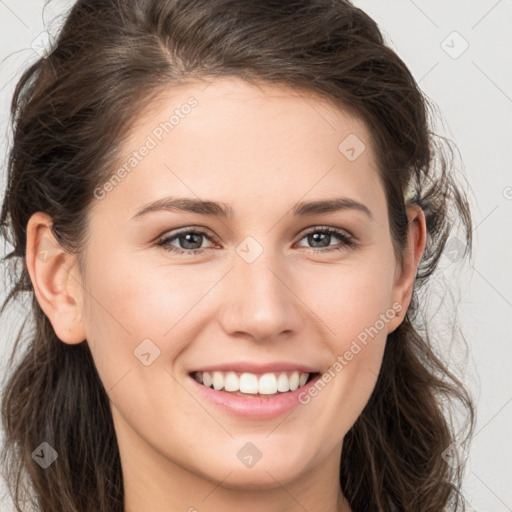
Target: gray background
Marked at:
473, 90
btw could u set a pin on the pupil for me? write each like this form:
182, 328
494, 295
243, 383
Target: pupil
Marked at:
316, 238
188, 241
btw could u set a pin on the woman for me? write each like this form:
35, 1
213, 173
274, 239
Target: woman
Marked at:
223, 212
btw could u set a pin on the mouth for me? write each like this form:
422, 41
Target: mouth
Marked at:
254, 396
245, 384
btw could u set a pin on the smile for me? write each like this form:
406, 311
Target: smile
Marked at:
253, 396
246, 384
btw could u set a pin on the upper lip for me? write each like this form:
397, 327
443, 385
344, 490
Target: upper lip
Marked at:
250, 367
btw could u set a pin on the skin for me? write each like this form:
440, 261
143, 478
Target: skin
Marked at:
260, 149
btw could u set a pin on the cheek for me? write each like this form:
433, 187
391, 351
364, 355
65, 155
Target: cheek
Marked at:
350, 297
355, 306
130, 301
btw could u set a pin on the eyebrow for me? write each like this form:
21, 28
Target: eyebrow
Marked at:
220, 209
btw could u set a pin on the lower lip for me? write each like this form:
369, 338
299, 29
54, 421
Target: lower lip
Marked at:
262, 408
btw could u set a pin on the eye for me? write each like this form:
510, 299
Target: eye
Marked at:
321, 236
190, 240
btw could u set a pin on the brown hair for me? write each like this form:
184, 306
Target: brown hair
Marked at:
71, 111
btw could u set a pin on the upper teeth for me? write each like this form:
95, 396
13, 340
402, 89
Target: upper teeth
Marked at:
267, 384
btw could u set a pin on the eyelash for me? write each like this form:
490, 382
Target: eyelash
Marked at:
346, 240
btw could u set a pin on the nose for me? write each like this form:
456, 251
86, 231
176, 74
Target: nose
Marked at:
258, 299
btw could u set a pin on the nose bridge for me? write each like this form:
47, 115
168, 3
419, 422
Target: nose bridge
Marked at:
260, 302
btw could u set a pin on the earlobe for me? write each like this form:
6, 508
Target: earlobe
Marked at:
405, 275
56, 287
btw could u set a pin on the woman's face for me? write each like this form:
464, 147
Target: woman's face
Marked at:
270, 291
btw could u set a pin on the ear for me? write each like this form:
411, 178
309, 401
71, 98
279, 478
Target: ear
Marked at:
56, 283
405, 273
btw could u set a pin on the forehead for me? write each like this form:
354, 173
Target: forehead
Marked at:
241, 143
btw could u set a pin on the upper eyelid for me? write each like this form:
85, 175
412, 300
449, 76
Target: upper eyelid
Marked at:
327, 228
180, 231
